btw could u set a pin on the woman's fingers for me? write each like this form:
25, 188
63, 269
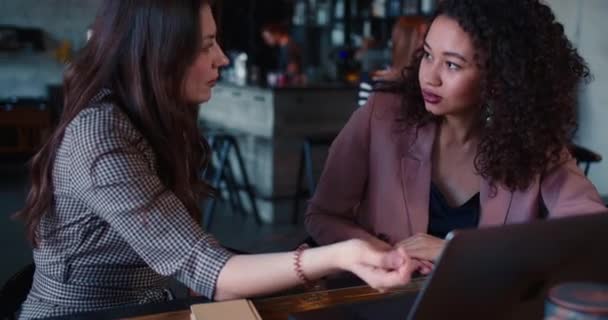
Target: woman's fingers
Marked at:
382, 279
426, 267
384, 257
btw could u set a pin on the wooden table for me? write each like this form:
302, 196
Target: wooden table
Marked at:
279, 308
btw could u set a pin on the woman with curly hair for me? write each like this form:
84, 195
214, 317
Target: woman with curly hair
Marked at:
475, 136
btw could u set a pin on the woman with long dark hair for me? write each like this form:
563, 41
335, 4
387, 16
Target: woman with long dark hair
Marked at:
476, 135
114, 198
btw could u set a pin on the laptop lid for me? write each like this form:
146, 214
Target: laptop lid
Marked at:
505, 272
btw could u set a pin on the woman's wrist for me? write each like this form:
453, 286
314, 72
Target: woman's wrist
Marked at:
297, 264
345, 252
311, 264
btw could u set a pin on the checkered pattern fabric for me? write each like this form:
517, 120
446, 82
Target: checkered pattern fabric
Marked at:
116, 233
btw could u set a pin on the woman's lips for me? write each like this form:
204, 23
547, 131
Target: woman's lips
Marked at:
430, 97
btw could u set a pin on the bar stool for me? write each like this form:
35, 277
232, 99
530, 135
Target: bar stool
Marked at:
584, 156
221, 175
306, 171
305, 167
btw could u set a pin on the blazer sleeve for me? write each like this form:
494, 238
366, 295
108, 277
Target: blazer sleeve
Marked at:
330, 216
566, 191
115, 179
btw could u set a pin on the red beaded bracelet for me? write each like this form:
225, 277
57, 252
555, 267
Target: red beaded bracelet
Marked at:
298, 266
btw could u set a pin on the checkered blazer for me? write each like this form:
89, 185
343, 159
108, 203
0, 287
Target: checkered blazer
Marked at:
97, 248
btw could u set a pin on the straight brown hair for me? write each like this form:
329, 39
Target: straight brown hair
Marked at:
140, 50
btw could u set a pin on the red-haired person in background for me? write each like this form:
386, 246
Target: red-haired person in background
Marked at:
289, 64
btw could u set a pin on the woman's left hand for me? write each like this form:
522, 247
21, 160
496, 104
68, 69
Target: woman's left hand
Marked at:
422, 246
380, 266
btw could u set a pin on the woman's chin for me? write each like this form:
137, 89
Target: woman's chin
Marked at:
434, 109
202, 98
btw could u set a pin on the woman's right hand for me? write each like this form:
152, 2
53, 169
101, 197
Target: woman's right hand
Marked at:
381, 267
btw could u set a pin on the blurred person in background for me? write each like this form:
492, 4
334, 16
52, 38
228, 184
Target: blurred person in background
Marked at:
406, 37
289, 55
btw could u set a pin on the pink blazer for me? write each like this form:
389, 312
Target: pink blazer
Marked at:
376, 183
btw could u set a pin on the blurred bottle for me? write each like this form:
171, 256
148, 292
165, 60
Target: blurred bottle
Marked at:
63, 53
253, 75
240, 69
409, 7
379, 8
299, 13
339, 9
393, 8
427, 6
272, 79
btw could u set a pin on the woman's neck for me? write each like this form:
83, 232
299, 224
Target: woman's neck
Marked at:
459, 129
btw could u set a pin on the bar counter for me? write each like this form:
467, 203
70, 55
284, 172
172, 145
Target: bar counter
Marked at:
270, 125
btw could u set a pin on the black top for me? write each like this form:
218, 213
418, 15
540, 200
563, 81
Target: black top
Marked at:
443, 218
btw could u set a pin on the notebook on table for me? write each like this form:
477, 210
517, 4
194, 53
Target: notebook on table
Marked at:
234, 309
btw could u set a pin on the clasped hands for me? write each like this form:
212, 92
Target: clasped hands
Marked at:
423, 248
383, 266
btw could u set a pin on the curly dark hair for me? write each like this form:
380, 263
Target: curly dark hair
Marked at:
530, 76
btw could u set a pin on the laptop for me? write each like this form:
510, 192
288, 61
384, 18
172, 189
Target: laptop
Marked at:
505, 272
500, 272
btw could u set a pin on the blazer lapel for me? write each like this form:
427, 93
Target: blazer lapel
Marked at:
416, 176
416, 181
495, 204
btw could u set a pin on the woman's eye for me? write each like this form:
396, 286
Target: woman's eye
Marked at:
452, 66
207, 48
